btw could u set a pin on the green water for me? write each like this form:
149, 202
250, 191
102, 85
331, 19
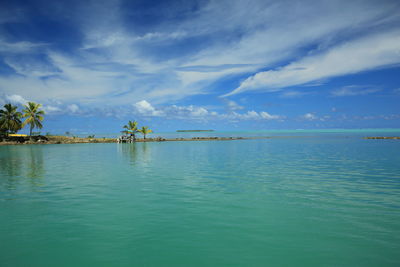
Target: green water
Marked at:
320, 201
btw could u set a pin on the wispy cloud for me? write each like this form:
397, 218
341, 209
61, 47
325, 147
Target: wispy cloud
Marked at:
354, 90
16, 99
377, 117
51, 109
19, 47
294, 94
366, 53
118, 60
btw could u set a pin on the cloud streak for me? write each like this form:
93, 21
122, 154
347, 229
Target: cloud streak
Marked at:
119, 60
367, 53
354, 90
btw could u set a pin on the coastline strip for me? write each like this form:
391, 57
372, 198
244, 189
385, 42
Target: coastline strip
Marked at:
87, 140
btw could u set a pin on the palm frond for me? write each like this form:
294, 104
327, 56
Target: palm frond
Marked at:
33, 115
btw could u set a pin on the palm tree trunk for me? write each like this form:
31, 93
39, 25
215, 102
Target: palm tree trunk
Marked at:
30, 130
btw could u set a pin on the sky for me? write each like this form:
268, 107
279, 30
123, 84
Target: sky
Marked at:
222, 65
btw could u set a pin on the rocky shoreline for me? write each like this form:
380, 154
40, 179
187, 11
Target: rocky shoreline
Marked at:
83, 140
53, 140
87, 140
382, 137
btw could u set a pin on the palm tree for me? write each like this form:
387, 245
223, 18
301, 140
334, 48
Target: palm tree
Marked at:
131, 128
33, 116
145, 130
10, 121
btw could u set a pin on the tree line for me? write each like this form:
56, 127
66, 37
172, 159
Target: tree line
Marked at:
132, 129
11, 119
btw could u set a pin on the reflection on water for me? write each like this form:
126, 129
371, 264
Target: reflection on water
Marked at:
145, 152
20, 164
11, 161
135, 152
10, 167
129, 151
324, 202
35, 170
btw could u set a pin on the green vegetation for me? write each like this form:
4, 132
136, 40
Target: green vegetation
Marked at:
145, 130
33, 115
131, 128
10, 119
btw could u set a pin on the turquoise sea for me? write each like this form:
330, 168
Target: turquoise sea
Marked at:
311, 198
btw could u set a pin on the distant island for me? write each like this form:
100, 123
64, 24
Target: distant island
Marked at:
195, 131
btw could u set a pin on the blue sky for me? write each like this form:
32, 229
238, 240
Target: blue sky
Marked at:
224, 65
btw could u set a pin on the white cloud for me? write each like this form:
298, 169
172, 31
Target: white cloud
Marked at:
250, 115
73, 108
199, 112
16, 99
232, 105
267, 116
363, 54
354, 90
293, 94
188, 112
151, 64
310, 117
273, 33
54, 107
377, 117
145, 108
314, 117
29, 66
19, 47
191, 112
51, 109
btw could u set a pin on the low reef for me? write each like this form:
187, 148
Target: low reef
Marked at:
193, 131
80, 140
40, 139
382, 137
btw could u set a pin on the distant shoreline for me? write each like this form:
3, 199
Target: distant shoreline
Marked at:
192, 131
382, 137
87, 140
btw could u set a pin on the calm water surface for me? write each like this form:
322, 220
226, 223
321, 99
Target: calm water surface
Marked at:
324, 201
